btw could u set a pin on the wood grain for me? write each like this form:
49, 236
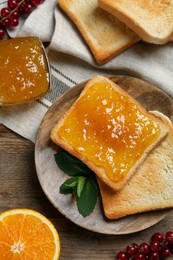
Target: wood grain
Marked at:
51, 177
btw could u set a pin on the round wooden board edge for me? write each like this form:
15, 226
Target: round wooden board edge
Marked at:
117, 79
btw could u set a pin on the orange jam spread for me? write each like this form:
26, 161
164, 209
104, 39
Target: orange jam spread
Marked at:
24, 73
109, 129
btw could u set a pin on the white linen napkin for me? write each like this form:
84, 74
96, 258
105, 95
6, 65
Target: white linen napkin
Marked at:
72, 62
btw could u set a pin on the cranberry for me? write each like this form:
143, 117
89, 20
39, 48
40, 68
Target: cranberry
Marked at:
2, 32
169, 236
12, 4
155, 246
144, 248
132, 249
14, 21
154, 256
35, 2
165, 252
157, 237
122, 256
139, 256
5, 12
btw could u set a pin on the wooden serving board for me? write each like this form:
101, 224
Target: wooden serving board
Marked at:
51, 177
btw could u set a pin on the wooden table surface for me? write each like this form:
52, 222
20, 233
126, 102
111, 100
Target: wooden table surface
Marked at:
20, 188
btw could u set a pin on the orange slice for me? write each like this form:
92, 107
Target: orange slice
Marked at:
26, 234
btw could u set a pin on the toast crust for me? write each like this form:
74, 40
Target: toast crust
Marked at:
151, 20
105, 35
150, 188
95, 165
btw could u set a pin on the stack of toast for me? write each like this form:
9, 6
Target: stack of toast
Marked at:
110, 27
129, 148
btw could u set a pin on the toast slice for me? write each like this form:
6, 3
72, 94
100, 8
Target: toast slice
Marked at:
109, 131
151, 188
151, 20
105, 35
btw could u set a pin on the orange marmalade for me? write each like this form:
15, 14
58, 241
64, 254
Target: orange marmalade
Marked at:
109, 129
24, 73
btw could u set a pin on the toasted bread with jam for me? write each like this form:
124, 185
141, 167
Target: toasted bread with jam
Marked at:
151, 188
109, 131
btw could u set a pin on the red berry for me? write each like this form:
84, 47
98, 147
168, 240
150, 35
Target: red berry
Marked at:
157, 237
9, 16
159, 248
165, 252
5, 12
170, 246
12, 4
14, 21
139, 256
132, 249
20, 8
155, 246
27, 8
122, 256
144, 248
15, 14
169, 236
2, 32
35, 2
5, 22
153, 256
135, 245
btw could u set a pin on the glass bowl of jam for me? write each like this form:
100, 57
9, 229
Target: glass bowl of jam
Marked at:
24, 71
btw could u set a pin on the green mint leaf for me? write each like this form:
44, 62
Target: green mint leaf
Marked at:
71, 165
83, 183
88, 197
80, 185
69, 186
